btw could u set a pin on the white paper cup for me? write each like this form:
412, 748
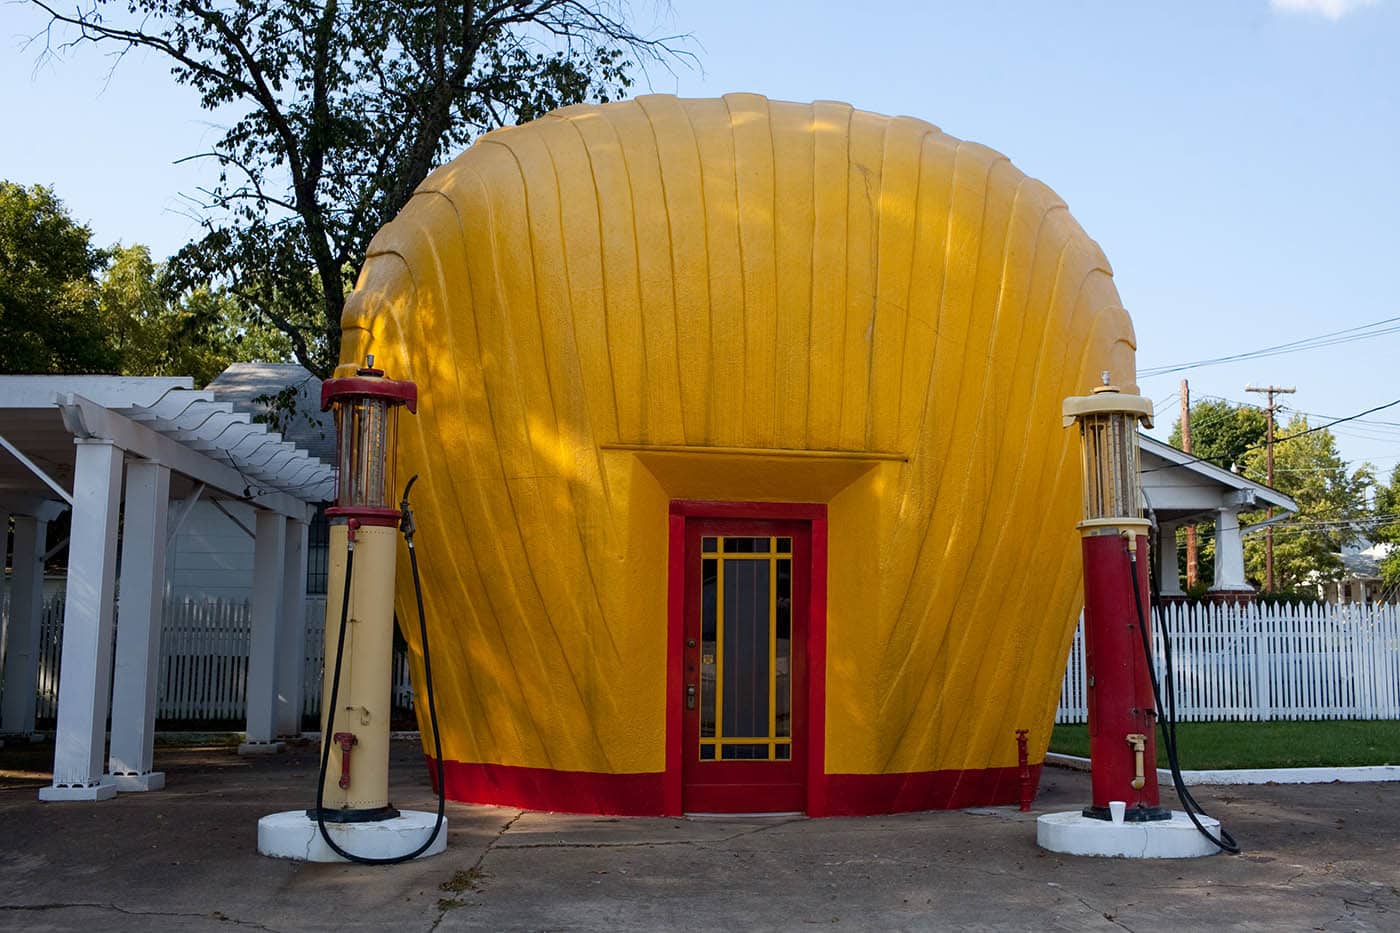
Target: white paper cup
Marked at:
1116, 809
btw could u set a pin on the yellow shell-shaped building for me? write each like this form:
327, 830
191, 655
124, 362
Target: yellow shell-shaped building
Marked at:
744, 485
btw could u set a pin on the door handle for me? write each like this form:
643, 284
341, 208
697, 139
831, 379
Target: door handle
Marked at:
690, 696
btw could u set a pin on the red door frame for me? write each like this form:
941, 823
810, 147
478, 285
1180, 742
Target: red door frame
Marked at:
813, 513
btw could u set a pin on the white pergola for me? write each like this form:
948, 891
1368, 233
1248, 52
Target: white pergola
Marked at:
1178, 489
110, 448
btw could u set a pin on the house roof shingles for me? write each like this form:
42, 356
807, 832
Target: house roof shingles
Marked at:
249, 386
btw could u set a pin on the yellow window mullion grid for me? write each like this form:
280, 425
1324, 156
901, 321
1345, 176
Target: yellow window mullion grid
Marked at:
719, 646
772, 646
720, 558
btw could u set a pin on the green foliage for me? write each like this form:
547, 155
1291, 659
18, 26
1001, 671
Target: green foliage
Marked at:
66, 307
289, 407
1331, 506
156, 333
1199, 590
1307, 467
342, 108
1205, 557
1276, 744
49, 320
1288, 597
1221, 432
1386, 528
132, 308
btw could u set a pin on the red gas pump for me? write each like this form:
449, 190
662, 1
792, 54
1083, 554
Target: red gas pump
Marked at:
1124, 817
1122, 714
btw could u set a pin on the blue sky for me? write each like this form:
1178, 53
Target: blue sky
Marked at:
1236, 159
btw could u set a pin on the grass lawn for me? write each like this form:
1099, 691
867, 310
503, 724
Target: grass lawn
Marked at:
1288, 744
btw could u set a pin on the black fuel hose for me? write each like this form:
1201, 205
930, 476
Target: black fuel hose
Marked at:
1166, 716
408, 528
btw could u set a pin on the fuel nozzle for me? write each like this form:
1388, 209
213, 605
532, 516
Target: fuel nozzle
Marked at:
406, 524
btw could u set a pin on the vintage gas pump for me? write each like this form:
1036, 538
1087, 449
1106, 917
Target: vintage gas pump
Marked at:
1124, 817
353, 818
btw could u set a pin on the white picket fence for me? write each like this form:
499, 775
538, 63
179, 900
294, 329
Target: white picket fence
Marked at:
1230, 663
203, 668
1255, 662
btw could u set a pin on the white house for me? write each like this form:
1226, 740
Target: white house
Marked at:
1178, 489
1361, 583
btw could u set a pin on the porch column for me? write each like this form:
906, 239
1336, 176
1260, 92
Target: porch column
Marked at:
86, 665
291, 642
138, 627
26, 617
1168, 570
4, 562
1229, 553
269, 559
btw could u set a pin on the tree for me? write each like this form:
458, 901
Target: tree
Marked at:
346, 107
133, 309
49, 320
1222, 432
156, 332
1331, 506
1386, 529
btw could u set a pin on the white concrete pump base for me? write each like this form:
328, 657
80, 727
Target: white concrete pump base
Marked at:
1074, 833
292, 834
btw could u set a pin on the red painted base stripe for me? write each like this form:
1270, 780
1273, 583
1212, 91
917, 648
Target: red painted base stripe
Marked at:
555, 791
869, 794
645, 794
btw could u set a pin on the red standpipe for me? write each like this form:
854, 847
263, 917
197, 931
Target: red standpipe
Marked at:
1119, 687
346, 741
1023, 758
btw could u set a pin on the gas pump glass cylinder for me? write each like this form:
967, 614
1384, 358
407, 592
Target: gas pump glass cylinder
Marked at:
1112, 486
368, 429
366, 407
1108, 429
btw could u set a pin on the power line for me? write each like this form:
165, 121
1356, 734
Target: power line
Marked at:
1269, 413
1348, 335
1381, 436
1360, 524
1377, 424
1312, 430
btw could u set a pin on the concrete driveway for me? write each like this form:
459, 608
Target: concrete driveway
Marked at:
1316, 858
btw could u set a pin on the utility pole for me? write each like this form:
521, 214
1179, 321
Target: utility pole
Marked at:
1192, 567
1270, 391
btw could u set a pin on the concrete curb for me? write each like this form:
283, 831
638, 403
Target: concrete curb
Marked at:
1362, 774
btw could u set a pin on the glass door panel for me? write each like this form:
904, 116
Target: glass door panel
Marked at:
743, 656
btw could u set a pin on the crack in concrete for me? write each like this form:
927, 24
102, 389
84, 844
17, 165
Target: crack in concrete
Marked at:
1368, 904
1102, 913
131, 912
475, 869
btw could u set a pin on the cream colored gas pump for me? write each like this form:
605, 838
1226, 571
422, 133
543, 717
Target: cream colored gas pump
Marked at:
353, 819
